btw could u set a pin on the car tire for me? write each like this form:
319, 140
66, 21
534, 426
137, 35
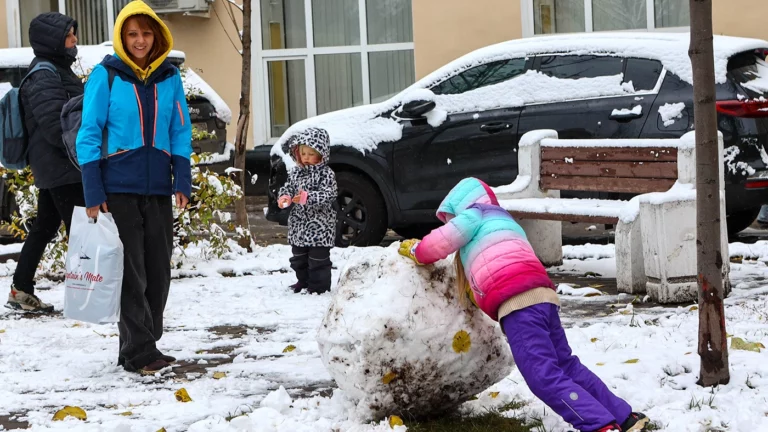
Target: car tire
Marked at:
415, 231
741, 220
361, 215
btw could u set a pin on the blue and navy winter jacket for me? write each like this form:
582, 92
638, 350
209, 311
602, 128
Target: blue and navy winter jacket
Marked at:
149, 131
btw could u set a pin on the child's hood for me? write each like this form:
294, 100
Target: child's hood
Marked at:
315, 138
466, 193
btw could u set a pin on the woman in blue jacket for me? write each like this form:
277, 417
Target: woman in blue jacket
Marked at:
138, 97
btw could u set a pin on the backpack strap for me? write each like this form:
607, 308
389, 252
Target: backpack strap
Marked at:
43, 65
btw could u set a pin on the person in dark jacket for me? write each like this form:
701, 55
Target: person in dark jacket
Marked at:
149, 144
53, 37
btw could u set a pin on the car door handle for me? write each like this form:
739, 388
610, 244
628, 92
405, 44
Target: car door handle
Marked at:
625, 115
494, 127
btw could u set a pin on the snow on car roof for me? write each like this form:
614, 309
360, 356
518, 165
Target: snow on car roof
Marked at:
91, 55
671, 49
363, 127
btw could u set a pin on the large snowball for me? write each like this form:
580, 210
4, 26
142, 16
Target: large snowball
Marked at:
396, 340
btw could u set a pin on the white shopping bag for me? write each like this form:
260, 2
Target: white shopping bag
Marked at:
94, 269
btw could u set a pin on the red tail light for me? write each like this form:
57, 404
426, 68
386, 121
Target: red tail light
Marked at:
756, 184
749, 108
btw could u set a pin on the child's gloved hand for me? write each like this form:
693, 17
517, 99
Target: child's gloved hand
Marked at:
284, 201
408, 249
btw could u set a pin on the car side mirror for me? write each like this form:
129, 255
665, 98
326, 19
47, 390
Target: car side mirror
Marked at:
418, 108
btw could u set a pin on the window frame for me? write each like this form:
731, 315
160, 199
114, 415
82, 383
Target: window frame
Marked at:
528, 27
262, 130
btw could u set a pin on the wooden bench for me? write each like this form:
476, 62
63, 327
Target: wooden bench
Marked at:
646, 168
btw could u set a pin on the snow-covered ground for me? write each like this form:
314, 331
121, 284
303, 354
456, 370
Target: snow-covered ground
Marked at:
237, 317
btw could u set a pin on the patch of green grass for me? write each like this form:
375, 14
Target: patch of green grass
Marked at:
653, 426
491, 421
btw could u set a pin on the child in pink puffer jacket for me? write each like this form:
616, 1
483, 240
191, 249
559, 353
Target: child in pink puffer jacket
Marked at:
499, 272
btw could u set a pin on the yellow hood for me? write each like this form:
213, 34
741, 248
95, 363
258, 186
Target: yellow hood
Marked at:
138, 7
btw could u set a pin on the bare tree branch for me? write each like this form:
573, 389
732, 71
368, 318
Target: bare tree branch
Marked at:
234, 3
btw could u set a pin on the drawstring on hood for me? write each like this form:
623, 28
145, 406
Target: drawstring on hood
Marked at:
467, 192
138, 7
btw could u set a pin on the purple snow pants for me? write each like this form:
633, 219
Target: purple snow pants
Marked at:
555, 375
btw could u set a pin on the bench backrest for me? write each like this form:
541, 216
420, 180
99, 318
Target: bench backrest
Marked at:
580, 165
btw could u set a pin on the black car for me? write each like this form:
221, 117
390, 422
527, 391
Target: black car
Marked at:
591, 86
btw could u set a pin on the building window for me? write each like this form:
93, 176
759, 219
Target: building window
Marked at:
351, 53
558, 16
28, 10
573, 16
283, 24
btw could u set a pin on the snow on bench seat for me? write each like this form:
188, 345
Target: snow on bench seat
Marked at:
566, 209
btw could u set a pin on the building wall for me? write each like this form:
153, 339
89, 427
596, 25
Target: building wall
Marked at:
206, 42
444, 30
3, 25
746, 18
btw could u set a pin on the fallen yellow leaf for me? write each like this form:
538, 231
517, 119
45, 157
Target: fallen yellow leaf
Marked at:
289, 348
76, 325
632, 361
395, 421
182, 395
70, 411
2, 330
126, 414
743, 345
494, 395
461, 342
219, 375
601, 364
596, 286
161, 430
389, 377
693, 308
593, 340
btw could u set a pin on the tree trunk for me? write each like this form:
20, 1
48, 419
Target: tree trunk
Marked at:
241, 213
713, 348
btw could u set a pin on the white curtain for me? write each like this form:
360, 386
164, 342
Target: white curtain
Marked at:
390, 72
558, 16
336, 22
389, 21
619, 15
283, 24
338, 81
672, 13
91, 16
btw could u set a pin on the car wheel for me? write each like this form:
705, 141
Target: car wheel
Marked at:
361, 217
741, 220
415, 231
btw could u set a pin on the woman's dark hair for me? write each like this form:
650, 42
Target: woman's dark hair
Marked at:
160, 45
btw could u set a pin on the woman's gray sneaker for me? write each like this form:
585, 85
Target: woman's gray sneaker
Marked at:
23, 302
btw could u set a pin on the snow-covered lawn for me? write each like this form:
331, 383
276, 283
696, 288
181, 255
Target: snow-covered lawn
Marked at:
238, 317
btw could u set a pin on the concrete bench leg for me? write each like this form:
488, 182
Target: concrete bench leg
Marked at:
630, 266
669, 245
546, 238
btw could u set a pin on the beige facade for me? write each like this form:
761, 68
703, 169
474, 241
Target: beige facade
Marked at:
212, 48
447, 29
444, 30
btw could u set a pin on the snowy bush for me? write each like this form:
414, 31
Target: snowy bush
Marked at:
396, 340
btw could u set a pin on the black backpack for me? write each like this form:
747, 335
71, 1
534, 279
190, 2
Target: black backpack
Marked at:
72, 117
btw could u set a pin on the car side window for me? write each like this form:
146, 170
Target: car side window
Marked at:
575, 67
10, 75
643, 73
480, 76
